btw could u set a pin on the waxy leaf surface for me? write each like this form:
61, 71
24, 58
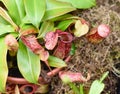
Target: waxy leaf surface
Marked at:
63, 25
56, 62
5, 29
3, 65
16, 9
56, 8
35, 10
4, 14
62, 17
46, 27
28, 63
81, 4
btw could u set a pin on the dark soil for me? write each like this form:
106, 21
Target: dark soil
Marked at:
97, 58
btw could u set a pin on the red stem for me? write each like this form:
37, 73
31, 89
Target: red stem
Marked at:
15, 80
56, 70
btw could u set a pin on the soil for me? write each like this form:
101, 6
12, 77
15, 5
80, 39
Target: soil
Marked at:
96, 58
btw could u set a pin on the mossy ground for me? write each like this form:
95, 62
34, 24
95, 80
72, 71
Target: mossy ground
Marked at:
96, 58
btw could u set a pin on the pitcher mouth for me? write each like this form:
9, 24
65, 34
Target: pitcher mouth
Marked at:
103, 30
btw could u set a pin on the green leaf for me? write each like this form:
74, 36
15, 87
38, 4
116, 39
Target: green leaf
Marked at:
16, 10
3, 21
81, 4
81, 89
15, 34
3, 65
45, 27
35, 10
63, 25
62, 17
74, 88
56, 62
4, 14
6, 29
56, 8
28, 63
96, 87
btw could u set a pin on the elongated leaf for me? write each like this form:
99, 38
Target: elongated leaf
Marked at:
28, 63
81, 4
5, 15
56, 8
46, 26
62, 17
3, 21
56, 62
63, 25
35, 10
5, 29
15, 34
3, 65
16, 9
